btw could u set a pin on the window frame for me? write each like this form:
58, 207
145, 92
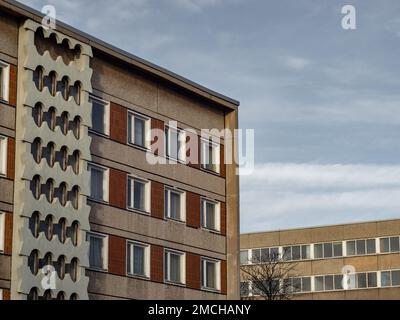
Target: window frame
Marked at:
167, 210
204, 143
147, 129
106, 179
217, 214
104, 238
106, 116
323, 244
131, 261
147, 187
217, 264
4, 81
2, 230
3, 155
181, 151
167, 278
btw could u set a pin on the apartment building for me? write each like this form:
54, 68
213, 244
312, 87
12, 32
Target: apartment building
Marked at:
349, 261
84, 213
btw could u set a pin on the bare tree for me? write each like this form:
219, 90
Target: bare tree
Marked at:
271, 277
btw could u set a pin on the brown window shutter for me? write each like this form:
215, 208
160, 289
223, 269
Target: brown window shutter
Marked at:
157, 200
222, 167
157, 137
193, 277
157, 263
13, 86
116, 255
223, 218
6, 294
224, 276
8, 233
117, 189
193, 210
193, 155
10, 158
118, 123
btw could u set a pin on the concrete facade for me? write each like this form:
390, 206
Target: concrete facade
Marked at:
371, 258
127, 85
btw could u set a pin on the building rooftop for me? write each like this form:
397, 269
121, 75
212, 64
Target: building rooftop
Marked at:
21, 10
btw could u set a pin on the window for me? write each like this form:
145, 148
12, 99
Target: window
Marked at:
100, 115
175, 204
4, 80
244, 257
138, 128
328, 250
264, 255
175, 144
210, 274
244, 289
98, 250
1, 294
138, 259
389, 244
328, 283
98, 182
296, 252
210, 155
3, 155
2, 230
210, 214
360, 247
174, 267
302, 284
138, 194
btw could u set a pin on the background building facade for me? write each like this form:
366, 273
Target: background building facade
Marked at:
76, 190
369, 253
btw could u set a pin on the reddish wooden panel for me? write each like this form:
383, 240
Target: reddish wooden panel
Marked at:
118, 186
12, 100
116, 255
157, 263
6, 294
10, 158
118, 123
8, 232
193, 277
157, 200
224, 277
222, 167
193, 210
223, 218
157, 137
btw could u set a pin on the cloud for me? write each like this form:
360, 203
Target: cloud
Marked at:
195, 5
296, 63
284, 195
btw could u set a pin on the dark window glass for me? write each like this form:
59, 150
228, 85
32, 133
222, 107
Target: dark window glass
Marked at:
372, 280
371, 246
361, 280
318, 251
394, 244
328, 283
385, 245
328, 252
351, 248
338, 249
360, 244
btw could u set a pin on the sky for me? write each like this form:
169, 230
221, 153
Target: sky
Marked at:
323, 101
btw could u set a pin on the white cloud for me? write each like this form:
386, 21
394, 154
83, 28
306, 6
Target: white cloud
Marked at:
195, 5
296, 63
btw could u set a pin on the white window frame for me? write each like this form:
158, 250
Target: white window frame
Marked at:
182, 194
217, 263
2, 231
217, 213
167, 277
147, 129
106, 179
1, 294
3, 155
181, 145
205, 143
147, 190
106, 117
5, 81
104, 237
129, 266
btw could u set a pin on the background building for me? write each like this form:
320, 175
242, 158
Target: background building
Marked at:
76, 190
369, 251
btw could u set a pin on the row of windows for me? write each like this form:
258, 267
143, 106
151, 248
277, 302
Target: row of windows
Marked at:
48, 295
362, 280
138, 262
138, 198
63, 86
2, 231
4, 81
323, 250
139, 135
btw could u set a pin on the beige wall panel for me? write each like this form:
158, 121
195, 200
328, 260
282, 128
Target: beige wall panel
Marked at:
359, 231
295, 237
365, 294
366, 263
326, 234
7, 116
6, 191
329, 266
334, 295
259, 240
389, 294
8, 35
124, 84
5, 267
389, 261
389, 228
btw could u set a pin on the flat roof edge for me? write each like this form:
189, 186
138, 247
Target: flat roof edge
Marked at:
151, 67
